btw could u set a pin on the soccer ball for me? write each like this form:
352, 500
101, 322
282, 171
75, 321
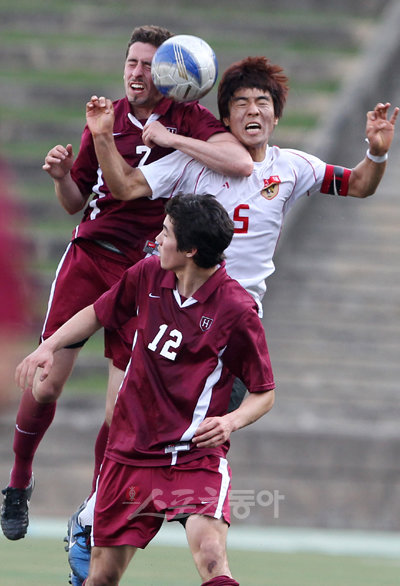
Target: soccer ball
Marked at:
184, 68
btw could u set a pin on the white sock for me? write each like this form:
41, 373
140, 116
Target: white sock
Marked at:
87, 514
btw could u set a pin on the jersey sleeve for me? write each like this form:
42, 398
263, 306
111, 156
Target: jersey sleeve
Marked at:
247, 355
119, 304
175, 173
199, 122
309, 175
315, 176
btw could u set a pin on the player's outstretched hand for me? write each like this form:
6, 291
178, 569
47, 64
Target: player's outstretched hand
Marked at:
58, 161
26, 370
100, 115
380, 128
212, 432
156, 134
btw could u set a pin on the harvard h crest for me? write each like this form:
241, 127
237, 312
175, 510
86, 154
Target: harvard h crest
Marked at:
205, 323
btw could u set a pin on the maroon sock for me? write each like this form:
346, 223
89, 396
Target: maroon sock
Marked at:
221, 581
33, 420
99, 449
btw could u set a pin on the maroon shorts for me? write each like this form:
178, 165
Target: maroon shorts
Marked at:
132, 502
84, 273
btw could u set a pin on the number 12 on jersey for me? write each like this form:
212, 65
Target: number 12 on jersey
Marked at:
174, 341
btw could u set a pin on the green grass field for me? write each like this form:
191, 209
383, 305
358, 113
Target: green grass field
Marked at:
42, 562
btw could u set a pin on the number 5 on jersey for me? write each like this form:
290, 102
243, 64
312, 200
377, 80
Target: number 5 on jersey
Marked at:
241, 219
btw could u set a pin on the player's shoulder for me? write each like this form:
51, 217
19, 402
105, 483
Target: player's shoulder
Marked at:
297, 155
191, 109
293, 158
148, 267
236, 300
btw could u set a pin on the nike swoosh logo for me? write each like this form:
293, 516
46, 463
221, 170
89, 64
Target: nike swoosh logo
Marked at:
71, 544
154, 296
117, 133
17, 427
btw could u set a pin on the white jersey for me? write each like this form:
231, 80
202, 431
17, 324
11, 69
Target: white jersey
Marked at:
257, 204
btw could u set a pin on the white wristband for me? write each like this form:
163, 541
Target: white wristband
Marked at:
375, 159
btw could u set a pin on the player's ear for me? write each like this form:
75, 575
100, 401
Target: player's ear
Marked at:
191, 253
225, 121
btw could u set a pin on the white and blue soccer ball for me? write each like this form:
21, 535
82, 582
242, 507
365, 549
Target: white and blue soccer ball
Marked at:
184, 68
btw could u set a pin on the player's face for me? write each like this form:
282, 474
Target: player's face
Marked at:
252, 119
170, 257
139, 87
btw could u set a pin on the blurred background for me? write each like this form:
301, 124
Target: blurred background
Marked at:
328, 454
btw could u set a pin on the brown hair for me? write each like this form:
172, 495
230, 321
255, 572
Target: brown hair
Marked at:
152, 34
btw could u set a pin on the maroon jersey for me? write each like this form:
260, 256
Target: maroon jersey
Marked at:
127, 225
185, 356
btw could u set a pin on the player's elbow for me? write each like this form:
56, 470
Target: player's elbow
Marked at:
240, 168
246, 168
268, 401
122, 193
363, 192
271, 399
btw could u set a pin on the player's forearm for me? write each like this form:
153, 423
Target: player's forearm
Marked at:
365, 178
254, 406
79, 327
124, 181
69, 194
222, 153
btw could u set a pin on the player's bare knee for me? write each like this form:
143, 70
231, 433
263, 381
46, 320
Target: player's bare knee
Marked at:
47, 391
211, 556
103, 577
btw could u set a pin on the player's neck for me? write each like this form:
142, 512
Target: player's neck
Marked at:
144, 111
258, 153
191, 278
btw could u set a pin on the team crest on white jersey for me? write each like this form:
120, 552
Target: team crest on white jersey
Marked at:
271, 187
205, 323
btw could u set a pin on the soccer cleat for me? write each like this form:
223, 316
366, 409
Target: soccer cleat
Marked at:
74, 580
78, 548
14, 511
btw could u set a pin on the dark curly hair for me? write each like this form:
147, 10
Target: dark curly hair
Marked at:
200, 222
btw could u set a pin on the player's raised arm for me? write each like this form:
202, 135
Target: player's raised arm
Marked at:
125, 182
58, 164
366, 176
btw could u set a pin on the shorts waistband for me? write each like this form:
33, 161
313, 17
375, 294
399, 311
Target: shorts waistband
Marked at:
108, 246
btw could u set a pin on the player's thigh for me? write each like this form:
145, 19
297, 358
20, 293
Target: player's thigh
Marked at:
207, 541
115, 378
107, 564
50, 388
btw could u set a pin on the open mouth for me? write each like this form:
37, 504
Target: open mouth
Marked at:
253, 126
136, 86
